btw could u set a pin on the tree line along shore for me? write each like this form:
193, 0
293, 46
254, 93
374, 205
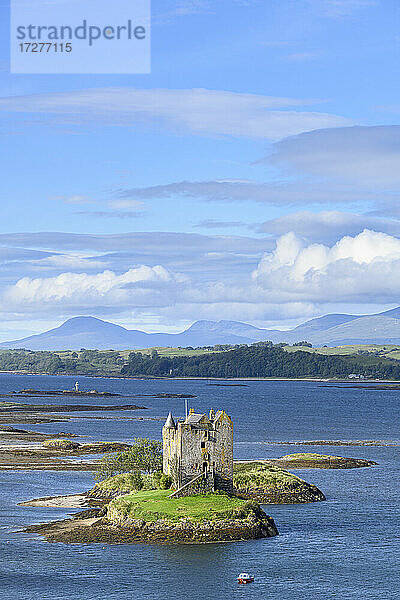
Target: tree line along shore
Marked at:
259, 360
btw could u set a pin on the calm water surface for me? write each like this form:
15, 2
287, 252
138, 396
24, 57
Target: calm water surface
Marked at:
346, 547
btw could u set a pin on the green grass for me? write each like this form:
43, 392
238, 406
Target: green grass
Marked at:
377, 350
307, 456
258, 475
380, 351
171, 352
151, 505
59, 444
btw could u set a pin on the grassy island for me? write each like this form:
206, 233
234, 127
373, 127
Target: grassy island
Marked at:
270, 484
310, 460
150, 516
151, 505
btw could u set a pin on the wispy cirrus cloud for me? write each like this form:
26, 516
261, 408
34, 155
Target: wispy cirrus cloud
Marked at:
73, 199
340, 8
360, 155
191, 251
218, 224
182, 8
301, 56
192, 111
327, 226
287, 193
356, 166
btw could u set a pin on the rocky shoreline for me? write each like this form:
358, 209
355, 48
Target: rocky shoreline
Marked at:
107, 525
313, 461
290, 494
45, 457
336, 443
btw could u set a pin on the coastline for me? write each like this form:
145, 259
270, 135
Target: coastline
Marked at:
108, 522
170, 378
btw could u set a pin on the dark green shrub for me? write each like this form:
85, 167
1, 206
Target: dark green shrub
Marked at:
137, 480
165, 481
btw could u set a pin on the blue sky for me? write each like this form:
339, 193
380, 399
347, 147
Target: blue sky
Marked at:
253, 175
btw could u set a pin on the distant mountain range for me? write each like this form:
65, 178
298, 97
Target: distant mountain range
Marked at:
332, 330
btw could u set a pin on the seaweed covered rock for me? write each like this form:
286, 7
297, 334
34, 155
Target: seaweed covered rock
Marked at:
60, 444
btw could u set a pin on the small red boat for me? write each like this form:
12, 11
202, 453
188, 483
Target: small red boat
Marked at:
245, 578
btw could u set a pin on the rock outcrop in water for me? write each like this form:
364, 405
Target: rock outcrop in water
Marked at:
309, 460
130, 519
269, 484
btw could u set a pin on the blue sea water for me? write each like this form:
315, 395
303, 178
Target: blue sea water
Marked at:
346, 547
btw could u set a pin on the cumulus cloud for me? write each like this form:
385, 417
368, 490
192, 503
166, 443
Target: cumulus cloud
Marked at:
366, 266
191, 111
214, 277
143, 285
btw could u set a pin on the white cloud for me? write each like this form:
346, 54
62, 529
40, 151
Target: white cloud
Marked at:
132, 205
301, 56
328, 225
276, 193
142, 285
210, 276
73, 261
191, 111
140, 247
363, 156
77, 199
340, 8
364, 268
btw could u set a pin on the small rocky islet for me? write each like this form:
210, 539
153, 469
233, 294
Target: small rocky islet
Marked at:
121, 514
117, 513
222, 506
309, 460
151, 516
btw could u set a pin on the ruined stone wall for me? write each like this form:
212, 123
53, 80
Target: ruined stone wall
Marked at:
191, 459
200, 486
222, 456
171, 453
191, 450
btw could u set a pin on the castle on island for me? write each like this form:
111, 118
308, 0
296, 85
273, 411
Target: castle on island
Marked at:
199, 450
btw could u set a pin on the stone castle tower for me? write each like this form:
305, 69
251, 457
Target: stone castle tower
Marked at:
199, 445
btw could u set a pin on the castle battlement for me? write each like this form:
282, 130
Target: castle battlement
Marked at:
200, 444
